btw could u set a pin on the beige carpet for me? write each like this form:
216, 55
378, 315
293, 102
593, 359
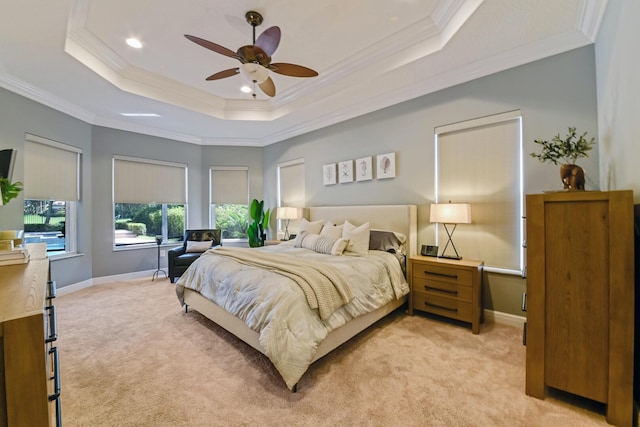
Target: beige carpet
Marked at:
130, 356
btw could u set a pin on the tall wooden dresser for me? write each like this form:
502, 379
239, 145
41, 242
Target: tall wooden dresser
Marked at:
29, 370
580, 297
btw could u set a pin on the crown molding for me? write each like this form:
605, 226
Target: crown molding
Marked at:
591, 17
146, 130
40, 96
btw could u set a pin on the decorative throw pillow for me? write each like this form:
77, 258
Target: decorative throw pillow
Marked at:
193, 246
388, 241
331, 230
321, 244
312, 227
358, 238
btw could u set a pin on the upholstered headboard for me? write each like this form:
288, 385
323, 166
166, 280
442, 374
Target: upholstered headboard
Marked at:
400, 218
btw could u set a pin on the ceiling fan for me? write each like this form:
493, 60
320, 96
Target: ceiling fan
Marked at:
255, 59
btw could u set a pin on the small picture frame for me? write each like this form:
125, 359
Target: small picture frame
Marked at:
363, 169
329, 174
386, 166
345, 171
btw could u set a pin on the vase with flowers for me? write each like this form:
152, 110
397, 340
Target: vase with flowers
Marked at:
566, 151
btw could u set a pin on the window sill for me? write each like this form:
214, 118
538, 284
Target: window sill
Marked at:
66, 255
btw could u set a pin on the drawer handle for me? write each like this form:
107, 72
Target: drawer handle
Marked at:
450, 276
56, 374
53, 330
56, 385
52, 289
455, 310
446, 291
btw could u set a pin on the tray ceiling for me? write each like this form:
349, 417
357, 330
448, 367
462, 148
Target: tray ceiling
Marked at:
71, 55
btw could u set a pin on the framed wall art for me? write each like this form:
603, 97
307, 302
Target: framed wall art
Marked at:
386, 166
345, 171
329, 174
364, 169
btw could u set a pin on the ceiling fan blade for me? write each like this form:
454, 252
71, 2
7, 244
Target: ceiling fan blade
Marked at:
269, 40
223, 74
292, 70
268, 87
212, 46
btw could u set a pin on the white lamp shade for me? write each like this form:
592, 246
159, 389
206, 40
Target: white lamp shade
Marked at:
287, 213
450, 213
254, 72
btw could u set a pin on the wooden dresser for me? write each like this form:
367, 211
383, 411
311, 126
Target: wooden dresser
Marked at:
29, 370
450, 288
580, 297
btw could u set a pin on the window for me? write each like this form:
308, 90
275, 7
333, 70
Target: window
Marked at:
149, 200
291, 188
229, 201
52, 192
480, 162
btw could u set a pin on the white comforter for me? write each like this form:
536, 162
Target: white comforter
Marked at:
275, 306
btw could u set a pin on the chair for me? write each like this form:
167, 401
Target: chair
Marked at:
181, 257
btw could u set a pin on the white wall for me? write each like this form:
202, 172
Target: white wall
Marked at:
618, 81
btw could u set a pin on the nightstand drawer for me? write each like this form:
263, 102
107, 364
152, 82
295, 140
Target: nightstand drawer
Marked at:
442, 273
443, 306
440, 288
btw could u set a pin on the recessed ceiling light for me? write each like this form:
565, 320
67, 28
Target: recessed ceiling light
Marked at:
245, 89
133, 42
140, 114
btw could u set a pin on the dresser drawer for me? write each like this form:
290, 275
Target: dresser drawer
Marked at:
443, 306
442, 273
442, 288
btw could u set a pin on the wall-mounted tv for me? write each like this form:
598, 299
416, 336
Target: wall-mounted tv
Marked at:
7, 162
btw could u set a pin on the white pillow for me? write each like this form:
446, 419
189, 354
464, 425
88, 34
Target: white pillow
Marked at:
331, 230
195, 246
358, 238
321, 244
310, 227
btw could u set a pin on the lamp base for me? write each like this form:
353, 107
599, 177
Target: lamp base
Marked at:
450, 257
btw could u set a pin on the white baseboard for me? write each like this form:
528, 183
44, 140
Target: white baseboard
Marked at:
504, 318
104, 280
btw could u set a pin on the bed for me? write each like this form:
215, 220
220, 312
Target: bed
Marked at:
293, 345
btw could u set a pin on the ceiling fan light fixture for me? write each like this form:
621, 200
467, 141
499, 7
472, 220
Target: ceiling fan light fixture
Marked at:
245, 89
254, 72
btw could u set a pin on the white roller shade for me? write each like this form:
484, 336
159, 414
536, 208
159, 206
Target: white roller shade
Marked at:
480, 165
229, 185
51, 170
147, 181
291, 181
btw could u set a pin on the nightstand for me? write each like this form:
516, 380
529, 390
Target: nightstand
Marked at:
450, 288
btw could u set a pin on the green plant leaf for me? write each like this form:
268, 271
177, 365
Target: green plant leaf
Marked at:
567, 150
9, 190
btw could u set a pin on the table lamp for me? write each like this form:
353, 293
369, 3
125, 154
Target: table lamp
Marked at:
450, 214
286, 214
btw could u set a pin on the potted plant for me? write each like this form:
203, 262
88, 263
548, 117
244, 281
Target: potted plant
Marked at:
260, 217
8, 190
566, 152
